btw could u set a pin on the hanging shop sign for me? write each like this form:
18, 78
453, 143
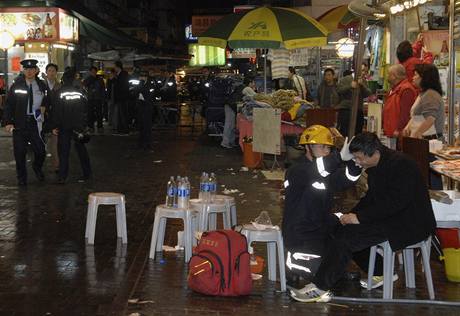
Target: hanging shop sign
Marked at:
68, 28
201, 23
242, 53
39, 24
43, 60
206, 55
189, 33
345, 47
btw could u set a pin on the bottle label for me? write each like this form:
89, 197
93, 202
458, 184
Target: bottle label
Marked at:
171, 191
212, 187
206, 187
187, 192
181, 192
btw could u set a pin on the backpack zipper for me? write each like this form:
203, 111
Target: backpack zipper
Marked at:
222, 280
229, 247
207, 261
237, 261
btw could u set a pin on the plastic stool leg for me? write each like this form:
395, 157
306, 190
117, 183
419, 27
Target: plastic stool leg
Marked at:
124, 230
212, 221
409, 267
188, 228
153, 242
92, 228
281, 263
271, 251
234, 220
161, 234
370, 272
426, 266
118, 219
388, 264
226, 219
89, 215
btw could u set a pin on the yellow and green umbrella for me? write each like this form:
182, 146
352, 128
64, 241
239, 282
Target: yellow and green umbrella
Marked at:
338, 18
266, 27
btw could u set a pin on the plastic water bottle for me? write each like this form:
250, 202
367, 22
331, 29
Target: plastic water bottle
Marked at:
171, 193
203, 184
176, 195
187, 192
182, 201
212, 186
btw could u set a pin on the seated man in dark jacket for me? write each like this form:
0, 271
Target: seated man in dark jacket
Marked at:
308, 220
396, 208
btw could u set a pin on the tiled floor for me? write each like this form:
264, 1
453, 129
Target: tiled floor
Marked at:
46, 268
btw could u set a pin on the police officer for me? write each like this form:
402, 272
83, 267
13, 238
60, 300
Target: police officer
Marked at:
24, 112
69, 120
308, 220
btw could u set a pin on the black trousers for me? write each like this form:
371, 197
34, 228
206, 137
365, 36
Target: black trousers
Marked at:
21, 137
343, 121
123, 118
145, 122
350, 242
95, 113
64, 142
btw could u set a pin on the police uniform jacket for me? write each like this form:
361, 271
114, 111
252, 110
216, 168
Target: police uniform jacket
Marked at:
70, 111
398, 200
17, 102
310, 187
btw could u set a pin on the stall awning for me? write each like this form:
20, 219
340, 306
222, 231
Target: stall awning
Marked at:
90, 24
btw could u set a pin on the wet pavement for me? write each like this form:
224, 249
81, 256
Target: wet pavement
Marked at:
47, 269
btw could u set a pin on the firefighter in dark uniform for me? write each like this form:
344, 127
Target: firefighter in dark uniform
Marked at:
69, 121
145, 99
24, 112
308, 220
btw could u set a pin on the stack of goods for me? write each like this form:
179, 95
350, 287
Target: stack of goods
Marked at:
249, 104
262, 97
451, 168
283, 99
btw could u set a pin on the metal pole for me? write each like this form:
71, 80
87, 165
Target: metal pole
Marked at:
265, 71
6, 70
356, 92
451, 77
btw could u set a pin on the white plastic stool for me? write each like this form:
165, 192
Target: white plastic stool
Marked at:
210, 210
274, 240
106, 198
230, 204
388, 266
164, 212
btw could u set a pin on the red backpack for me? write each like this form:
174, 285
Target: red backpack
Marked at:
220, 265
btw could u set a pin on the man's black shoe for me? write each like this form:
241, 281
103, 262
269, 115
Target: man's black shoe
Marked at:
60, 181
39, 174
22, 183
84, 179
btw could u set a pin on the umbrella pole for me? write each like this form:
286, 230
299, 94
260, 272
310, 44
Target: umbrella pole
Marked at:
265, 72
356, 92
451, 77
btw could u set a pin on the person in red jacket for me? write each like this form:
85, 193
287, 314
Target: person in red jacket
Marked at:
410, 55
399, 100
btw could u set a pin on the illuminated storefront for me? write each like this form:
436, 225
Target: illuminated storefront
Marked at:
206, 55
48, 34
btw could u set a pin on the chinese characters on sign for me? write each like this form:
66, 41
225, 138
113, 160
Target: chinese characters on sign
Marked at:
201, 23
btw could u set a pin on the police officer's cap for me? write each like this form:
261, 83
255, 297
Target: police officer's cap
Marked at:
29, 63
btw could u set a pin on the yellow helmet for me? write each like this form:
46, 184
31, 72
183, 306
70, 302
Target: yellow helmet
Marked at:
100, 72
316, 134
